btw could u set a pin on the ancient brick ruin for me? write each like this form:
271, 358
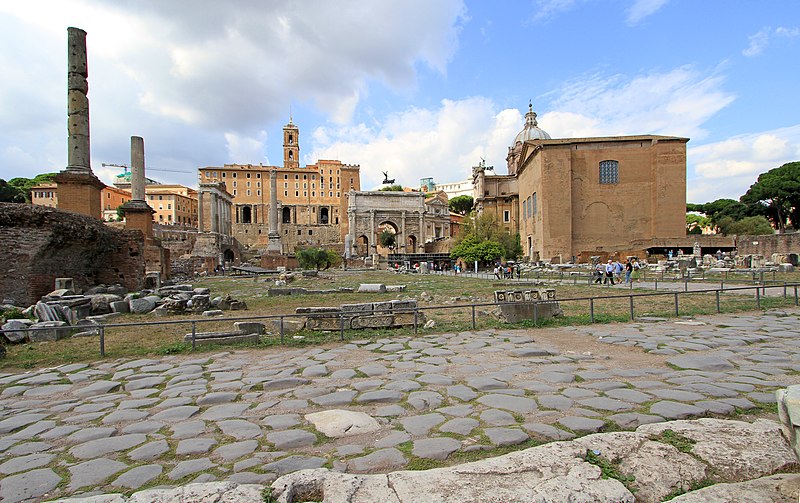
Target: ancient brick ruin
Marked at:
39, 244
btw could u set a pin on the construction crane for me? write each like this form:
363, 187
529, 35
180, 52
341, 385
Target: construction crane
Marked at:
126, 168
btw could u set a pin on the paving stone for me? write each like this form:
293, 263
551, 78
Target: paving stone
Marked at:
704, 362
28, 485
425, 400
224, 411
494, 417
675, 410
239, 429
513, 403
460, 425
315, 371
33, 430
103, 446
281, 421
456, 410
59, 432
576, 393
93, 472
291, 439
380, 396
606, 385
143, 427
124, 416
26, 448
188, 429
373, 370
191, 446
294, 463
403, 385
628, 395
349, 450
236, 450
675, 394
603, 403
176, 414
632, 420
435, 379
556, 377
145, 382
461, 392
581, 424
483, 383
49, 390
505, 436
216, 397
18, 421
137, 477
343, 374
382, 460
293, 404
368, 384
149, 451
557, 402
336, 398
283, 383
25, 463
392, 439
716, 407
100, 387
548, 432
421, 425
188, 467
435, 448
389, 410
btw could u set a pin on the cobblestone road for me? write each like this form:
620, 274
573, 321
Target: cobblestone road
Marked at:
241, 415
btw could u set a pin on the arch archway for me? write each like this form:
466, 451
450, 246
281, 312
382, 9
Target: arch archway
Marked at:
323, 216
228, 255
386, 238
411, 244
247, 215
362, 245
286, 215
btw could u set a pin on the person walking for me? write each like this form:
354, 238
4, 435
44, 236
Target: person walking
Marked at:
628, 271
598, 273
637, 268
609, 273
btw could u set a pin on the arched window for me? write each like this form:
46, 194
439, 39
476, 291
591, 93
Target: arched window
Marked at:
609, 172
287, 215
247, 216
323, 216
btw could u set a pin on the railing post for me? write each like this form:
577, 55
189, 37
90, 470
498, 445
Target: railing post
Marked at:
415, 320
591, 310
758, 298
685, 285
473, 316
656, 287
280, 321
341, 327
194, 335
718, 307
535, 312
676, 305
630, 298
784, 290
102, 340
795, 295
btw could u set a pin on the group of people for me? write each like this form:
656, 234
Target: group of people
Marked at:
506, 271
611, 272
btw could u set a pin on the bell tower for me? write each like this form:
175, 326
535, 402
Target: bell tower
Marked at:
291, 145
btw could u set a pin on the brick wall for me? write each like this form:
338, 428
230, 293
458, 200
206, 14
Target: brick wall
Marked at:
768, 244
39, 244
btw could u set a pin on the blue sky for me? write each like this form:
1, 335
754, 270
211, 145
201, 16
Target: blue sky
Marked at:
416, 88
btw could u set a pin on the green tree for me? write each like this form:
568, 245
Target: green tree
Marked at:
749, 226
778, 192
461, 204
24, 185
10, 194
392, 188
696, 223
387, 238
317, 258
483, 236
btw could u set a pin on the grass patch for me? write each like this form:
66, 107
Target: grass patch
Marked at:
682, 443
609, 469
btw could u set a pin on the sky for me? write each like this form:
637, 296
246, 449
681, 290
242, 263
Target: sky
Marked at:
416, 88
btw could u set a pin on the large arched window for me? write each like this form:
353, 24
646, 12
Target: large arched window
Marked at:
609, 172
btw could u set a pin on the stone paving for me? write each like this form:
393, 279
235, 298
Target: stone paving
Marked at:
249, 416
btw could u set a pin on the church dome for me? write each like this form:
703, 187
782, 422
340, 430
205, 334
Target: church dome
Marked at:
531, 131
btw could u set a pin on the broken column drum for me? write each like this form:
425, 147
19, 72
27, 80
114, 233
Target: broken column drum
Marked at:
78, 103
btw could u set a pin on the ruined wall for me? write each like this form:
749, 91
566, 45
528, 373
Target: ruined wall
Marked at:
39, 244
766, 245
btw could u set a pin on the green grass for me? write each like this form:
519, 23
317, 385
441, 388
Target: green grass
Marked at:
609, 469
680, 442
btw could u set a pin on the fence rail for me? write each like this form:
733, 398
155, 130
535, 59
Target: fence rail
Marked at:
759, 293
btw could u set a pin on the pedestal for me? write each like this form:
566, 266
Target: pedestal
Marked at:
80, 193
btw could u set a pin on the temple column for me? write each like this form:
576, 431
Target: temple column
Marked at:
274, 245
200, 210
214, 217
138, 215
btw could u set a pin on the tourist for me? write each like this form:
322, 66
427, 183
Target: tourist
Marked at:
609, 273
598, 273
636, 270
628, 271
618, 271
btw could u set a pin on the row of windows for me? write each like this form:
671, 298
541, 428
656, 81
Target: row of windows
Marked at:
48, 193
529, 207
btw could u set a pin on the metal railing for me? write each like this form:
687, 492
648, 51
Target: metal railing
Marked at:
759, 293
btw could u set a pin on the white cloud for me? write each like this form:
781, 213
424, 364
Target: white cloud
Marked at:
726, 169
245, 150
677, 102
642, 9
758, 42
445, 142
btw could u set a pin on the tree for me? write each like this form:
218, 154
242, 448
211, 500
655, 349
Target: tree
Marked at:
387, 238
317, 258
392, 188
778, 192
10, 194
696, 223
461, 204
749, 226
24, 185
483, 238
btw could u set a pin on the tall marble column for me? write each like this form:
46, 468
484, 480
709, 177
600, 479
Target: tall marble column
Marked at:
274, 245
138, 215
78, 188
214, 213
200, 210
